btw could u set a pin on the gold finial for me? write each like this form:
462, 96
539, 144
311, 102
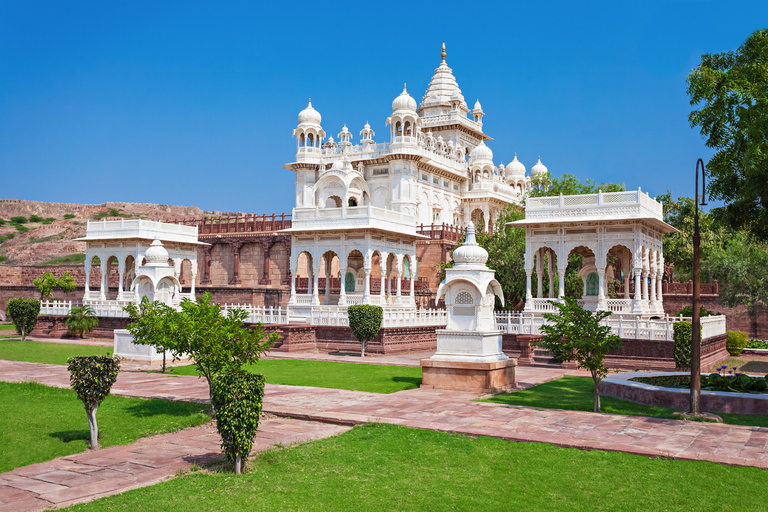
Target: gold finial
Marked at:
442, 54
404, 86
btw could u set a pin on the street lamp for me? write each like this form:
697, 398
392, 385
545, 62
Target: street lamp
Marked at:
696, 316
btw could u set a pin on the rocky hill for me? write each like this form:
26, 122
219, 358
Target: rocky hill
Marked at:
33, 232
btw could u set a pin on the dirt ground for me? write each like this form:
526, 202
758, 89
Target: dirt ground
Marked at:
752, 365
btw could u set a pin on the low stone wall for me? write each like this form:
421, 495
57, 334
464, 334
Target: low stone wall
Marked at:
632, 355
619, 386
49, 326
390, 340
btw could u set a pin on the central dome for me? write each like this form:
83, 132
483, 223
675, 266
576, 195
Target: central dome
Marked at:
470, 253
309, 115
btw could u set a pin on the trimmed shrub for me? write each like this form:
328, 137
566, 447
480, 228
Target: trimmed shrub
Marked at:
682, 334
757, 344
236, 398
24, 313
365, 322
92, 377
687, 311
737, 342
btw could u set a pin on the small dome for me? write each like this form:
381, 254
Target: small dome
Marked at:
156, 255
470, 253
538, 169
481, 153
477, 108
515, 168
404, 102
338, 165
309, 115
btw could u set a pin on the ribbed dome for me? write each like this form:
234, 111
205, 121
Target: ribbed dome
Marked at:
404, 102
515, 168
538, 169
470, 253
157, 255
309, 115
481, 154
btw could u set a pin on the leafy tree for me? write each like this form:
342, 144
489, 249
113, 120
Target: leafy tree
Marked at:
217, 343
545, 185
678, 247
151, 325
365, 322
730, 93
24, 313
92, 377
739, 264
18, 220
575, 334
47, 282
237, 399
81, 320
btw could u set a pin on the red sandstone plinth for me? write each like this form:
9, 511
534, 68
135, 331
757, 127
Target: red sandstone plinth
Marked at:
490, 377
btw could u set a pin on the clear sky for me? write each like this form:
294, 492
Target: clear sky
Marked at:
193, 103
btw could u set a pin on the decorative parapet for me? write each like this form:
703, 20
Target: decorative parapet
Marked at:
598, 206
141, 229
349, 217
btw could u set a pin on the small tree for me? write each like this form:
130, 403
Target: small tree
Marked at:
151, 325
24, 313
575, 334
46, 283
237, 399
217, 343
92, 377
365, 322
81, 320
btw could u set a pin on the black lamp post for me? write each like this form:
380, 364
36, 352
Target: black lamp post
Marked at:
696, 316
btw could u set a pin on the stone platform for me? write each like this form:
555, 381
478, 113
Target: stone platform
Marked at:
485, 377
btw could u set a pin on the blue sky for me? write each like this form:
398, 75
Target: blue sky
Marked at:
193, 103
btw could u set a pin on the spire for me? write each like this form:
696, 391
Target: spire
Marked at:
442, 54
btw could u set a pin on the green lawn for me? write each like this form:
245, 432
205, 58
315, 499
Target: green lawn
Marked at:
40, 423
386, 467
575, 394
51, 353
7, 327
325, 374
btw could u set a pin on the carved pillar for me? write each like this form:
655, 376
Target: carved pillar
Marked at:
637, 303
327, 280
266, 247
399, 272
207, 265
560, 283
412, 300
121, 274
87, 278
342, 284
539, 273
315, 285
236, 266
383, 270
104, 280
602, 304
528, 294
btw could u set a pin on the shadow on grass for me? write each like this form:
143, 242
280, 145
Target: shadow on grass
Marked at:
67, 436
415, 381
148, 408
755, 367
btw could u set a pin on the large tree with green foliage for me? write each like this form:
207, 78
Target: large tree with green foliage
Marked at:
218, 343
739, 264
575, 334
678, 247
47, 282
730, 93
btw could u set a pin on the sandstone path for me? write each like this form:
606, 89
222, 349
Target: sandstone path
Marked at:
452, 411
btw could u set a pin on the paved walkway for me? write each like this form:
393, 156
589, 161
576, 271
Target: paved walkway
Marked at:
90, 475
452, 411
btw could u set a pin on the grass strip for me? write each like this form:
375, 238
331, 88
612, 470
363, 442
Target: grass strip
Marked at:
40, 423
575, 394
327, 374
49, 353
7, 327
387, 467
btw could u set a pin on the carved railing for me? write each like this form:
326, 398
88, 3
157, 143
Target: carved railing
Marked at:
247, 223
441, 231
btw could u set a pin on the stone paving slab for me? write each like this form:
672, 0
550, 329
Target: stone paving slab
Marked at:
452, 411
94, 474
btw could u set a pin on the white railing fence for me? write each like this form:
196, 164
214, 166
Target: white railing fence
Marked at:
624, 326
261, 314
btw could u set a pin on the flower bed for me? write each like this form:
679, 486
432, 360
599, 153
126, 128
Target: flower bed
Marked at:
725, 379
635, 387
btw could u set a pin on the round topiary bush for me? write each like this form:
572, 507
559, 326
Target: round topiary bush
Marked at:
92, 377
736, 342
24, 313
365, 322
